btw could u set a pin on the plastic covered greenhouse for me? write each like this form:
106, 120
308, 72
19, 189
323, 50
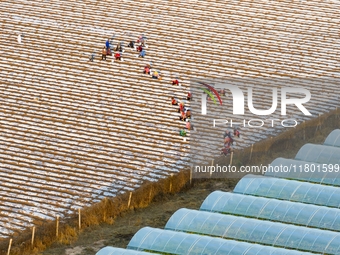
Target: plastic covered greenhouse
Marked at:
108, 250
172, 242
333, 139
297, 191
272, 209
255, 231
319, 154
306, 171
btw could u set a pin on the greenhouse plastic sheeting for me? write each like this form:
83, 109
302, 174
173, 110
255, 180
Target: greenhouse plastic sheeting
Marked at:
333, 139
273, 209
172, 242
319, 154
306, 171
297, 191
255, 231
108, 250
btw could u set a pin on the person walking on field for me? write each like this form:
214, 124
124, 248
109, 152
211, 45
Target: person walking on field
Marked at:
104, 52
107, 44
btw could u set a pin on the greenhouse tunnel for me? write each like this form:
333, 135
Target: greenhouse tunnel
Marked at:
255, 231
333, 139
108, 250
319, 154
172, 242
290, 190
321, 173
272, 209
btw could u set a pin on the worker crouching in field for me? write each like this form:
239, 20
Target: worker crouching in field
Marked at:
118, 56
175, 82
189, 96
183, 116
174, 101
181, 107
147, 69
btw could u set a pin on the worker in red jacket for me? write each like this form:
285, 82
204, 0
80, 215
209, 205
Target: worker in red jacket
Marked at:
175, 82
146, 69
139, 48
181, 107
183, 116
174, 101
118, 55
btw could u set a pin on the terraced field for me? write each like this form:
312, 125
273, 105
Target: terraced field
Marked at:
73, 131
